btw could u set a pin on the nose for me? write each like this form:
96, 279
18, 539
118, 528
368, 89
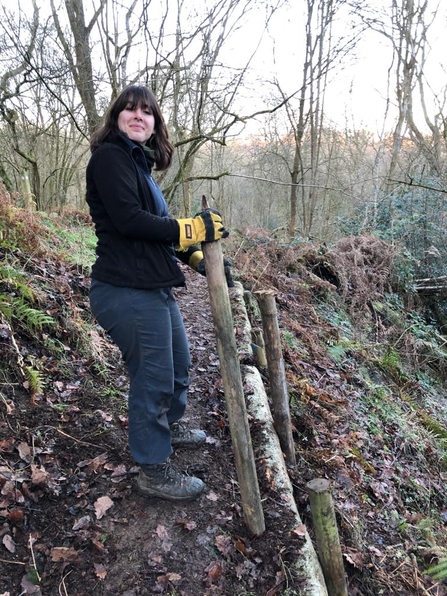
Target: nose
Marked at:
139, 113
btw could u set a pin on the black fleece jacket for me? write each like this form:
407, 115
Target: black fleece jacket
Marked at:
135, 246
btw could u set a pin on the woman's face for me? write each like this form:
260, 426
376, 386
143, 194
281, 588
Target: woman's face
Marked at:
137, 123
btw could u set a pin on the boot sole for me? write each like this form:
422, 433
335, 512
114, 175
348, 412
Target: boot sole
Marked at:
153, 494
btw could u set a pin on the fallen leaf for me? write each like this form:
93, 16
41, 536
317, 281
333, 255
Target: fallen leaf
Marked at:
105, 416
8, 543
82, 522
165, 537
212, 496
119, 473
29, 587
97, 462
38, 475
100, 570
102, 505
243, 548
6, 444
299, 531
213, 573
174, 578
354, 557
155, 558
162, 532
16, 516
224, 544
11, 493
187, 524
161, 585
24, 451
64, 553
98, 544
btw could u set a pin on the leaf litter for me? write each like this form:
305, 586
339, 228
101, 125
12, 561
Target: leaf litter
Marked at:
73, 522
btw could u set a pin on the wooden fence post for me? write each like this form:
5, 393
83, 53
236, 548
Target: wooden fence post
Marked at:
277, 374
233, 387
328, 543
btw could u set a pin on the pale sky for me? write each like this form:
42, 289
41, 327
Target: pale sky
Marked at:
358, 93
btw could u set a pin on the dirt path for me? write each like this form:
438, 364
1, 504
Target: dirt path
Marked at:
76, 522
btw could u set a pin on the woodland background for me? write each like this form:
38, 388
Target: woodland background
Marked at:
258, 141
343, 221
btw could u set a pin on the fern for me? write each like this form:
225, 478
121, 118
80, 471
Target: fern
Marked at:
18, 309
439, 571
31, 317
35, 381
16, 280
9, 274
5, 306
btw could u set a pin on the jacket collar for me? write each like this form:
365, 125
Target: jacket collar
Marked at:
139, 152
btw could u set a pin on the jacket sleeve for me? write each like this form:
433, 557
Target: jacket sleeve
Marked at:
113, 197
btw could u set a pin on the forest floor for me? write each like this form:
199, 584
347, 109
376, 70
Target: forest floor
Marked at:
72, 522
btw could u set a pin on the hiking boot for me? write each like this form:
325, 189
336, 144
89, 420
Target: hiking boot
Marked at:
183, 437
165, 482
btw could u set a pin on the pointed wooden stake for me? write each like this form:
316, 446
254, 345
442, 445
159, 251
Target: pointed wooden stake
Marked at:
233, 387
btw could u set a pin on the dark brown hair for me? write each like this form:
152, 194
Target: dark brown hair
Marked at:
138, 96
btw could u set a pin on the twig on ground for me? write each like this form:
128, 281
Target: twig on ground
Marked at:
63, 585
30, 542
12, 562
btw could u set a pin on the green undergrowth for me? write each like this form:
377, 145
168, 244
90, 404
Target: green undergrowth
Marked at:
369, 406
399, 409
39, 256
72, 237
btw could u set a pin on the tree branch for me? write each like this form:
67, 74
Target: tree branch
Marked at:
419, 185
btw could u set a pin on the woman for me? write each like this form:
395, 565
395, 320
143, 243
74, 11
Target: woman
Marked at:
131, 297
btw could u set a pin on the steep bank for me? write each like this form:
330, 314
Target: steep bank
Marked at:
366, 381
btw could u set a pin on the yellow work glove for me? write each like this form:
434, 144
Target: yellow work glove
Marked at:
206, 226
196, 262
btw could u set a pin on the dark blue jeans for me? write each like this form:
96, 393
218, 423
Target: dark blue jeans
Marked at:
148, 328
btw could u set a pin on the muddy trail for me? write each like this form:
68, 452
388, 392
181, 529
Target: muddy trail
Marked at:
74, 522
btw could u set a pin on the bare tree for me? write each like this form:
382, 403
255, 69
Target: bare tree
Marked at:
14, 78
323, 52
88, 53
79, 53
